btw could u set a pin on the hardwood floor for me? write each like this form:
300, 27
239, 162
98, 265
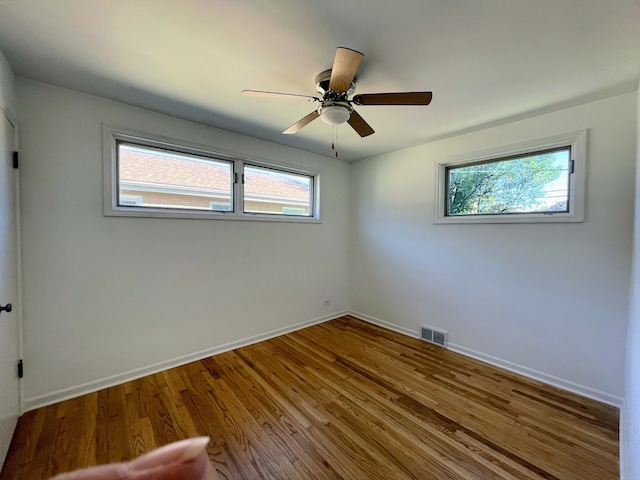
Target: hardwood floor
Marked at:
343, 399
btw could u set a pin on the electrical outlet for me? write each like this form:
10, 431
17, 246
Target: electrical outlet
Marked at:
327, 303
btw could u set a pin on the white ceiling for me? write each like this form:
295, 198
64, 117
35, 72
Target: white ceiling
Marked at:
486, 61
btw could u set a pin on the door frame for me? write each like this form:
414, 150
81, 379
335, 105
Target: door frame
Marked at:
11, 118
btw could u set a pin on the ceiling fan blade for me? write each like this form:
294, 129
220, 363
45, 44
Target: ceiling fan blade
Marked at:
345, 67
302, 122
405, 98
359, 125
286, 96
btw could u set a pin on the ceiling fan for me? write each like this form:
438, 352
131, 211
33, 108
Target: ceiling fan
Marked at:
336, 85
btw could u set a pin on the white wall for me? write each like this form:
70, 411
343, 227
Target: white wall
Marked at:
548, 300
106, 298
630, 415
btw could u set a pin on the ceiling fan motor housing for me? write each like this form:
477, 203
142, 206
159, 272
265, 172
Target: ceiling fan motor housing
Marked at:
322, 87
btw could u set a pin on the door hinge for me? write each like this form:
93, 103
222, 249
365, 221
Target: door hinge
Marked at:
20, 369
15, 159
573, 166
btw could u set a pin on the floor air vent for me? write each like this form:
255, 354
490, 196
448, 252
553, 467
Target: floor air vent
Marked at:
431, 335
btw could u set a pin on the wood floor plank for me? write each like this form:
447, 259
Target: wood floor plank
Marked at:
344, 399
220, 456
272, 421
390, 419
434, 437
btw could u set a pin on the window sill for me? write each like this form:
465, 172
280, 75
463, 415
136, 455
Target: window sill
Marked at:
204, 215
512, 218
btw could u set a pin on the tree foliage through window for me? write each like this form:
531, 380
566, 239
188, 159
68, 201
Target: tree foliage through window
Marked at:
536, 183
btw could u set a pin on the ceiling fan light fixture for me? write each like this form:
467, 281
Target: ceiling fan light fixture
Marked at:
335, 113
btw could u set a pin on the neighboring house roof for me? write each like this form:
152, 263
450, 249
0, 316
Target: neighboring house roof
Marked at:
136, 165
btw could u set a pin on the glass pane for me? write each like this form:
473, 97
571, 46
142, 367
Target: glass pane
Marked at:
156, 178
277, 193
536, 183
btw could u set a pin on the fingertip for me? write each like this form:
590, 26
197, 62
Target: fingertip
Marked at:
171, 454
194, 448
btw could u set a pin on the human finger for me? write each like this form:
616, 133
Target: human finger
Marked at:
174, 453
176, 461
193, 469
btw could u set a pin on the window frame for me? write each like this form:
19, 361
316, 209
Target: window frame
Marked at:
576, 141
112, 136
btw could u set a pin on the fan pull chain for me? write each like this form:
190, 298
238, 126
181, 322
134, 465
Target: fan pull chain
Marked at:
334, 144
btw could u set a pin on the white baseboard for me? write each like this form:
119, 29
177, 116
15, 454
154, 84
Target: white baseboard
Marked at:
99, 384
561, 383
385, 324
558, 382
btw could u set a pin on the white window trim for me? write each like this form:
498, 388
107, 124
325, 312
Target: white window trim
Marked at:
577, 180
112, 134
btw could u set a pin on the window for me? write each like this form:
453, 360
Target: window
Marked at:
541, 181
275, 192
171, 180
156, 177
536, 182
